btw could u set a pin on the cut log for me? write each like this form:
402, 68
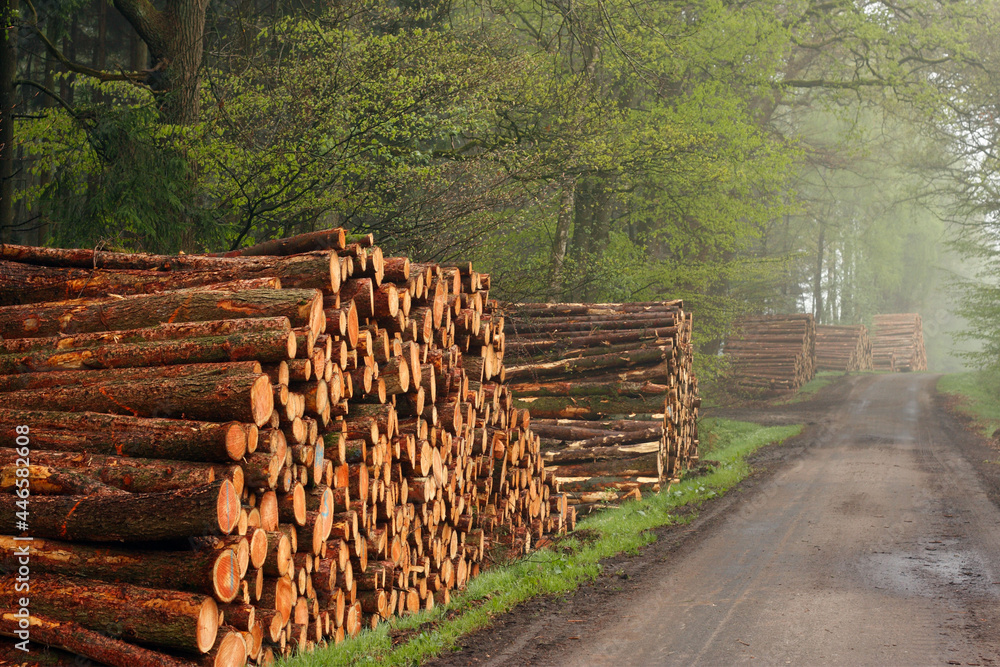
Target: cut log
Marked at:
130, 436
171, 619
176, 331
264, 347
73, 637
27, 283
214, 508
301, 307
210, 571
245, 398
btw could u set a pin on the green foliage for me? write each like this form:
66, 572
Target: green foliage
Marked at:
559, 569
118, 178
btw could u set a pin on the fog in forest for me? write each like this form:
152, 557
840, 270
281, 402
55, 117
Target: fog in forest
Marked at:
749, 158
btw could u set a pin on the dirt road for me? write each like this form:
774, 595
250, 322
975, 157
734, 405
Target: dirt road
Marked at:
872, 540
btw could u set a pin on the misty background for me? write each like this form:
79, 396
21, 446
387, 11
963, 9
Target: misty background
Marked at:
831, 157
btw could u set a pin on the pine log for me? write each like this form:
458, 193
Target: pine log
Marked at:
129, 436
26, 283
171, 619
324, 239
169, 331
211, 509
571, 366
245, 398
210, 571
84, 377
301, 307
136, 475
91, 644
264, 347
590, 387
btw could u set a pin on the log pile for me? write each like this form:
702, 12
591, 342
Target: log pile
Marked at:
232, 458
610, 390
843, 348
898, 342
772, 355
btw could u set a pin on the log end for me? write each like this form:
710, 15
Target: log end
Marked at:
258, 547
334, 271
232, 651
235, 439
227, 507
226, 577
299, 504
317, 318
261, 400
208, 625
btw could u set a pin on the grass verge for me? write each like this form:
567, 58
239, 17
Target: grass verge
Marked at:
559, 569
978, 397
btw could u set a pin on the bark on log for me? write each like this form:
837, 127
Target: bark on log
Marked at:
215, 572
245, 398
26, 283
212, 509
171, 619
177, 331
129, 436
73, 637
301, 307
264, 347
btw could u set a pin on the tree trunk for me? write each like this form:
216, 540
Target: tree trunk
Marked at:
175, 37
560, 243
572, 366
818, 275
215, 572
168, 331
91, 644
9, 10
325, 239
129, 436
244, 398
206, 510
171, 619
134, 475
588, 407
266, 347
32, 283
301, 307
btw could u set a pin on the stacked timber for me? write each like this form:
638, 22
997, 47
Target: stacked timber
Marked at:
773, 354
231, 458
843, 348
610, 390
898, 342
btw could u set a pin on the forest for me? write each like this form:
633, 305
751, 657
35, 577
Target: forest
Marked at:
822, 156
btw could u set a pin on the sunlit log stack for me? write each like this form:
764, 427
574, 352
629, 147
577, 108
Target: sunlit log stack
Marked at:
610, 390
236, 457
773, 354
843, 348
898, 342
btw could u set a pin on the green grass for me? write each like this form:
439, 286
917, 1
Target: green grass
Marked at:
563, 567
979, 397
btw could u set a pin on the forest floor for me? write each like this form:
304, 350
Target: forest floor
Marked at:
872, 538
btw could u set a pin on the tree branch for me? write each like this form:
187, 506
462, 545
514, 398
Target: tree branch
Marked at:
83, 69
57, 98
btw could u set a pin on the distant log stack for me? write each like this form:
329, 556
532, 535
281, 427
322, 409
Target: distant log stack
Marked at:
237, 457
610, 390
772, 355
843, 348
898, 342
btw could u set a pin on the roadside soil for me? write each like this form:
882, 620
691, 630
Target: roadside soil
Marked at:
872, 538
